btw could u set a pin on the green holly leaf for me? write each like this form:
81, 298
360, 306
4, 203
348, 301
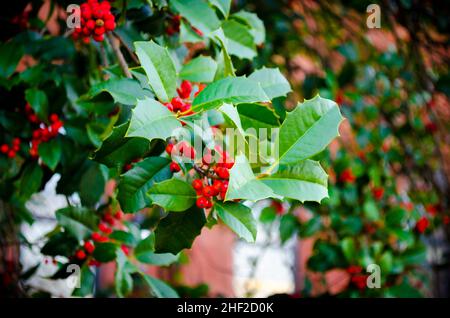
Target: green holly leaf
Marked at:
173, 195
92, 185
38, 101
239, 218
105, 252
306, 181
159, 67
308, 129
50, 152
135, 183
272, 82
145, 253
152, 120
10, 54
126, 91
257, 29
117, 150
122, 278
239, 40
198, 13
244, 185
60, 244
222, 5
87, 281
233, 90
201, 69
78, 221
159, 288
257, 116
177, 231
30, 180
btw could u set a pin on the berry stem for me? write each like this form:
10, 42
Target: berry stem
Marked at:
116, 49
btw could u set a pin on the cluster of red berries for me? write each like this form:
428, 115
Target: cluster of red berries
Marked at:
173, 26
181, 103
105, 228
96, 19
357, 278
45, 132
11, 150
214, 181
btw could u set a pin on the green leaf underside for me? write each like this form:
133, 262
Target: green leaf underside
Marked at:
243, 183
201, 69
272, 82
257, 116
308, 129
306, 181
151, 120
116, 150
177, 231
257, 30
159, 67
173, 195
239, 218
234, 90
222, 5
198, 13
135, 183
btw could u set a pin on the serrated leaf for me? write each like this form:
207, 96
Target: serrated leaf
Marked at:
256, 25
123, 90
234, 90
306, 181
272, 82
159, 67
177, 231
78, 221
308, 129
151, 120
240, 41
135, 183
257, 116
239, 218
198, 13
173, 195
117, 150
244, 185
201, 69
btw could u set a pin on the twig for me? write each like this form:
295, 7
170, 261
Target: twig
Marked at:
116, 49
132, 54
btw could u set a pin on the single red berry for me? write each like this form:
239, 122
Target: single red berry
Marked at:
224, 187
4, 148
104, 228
431, 209
197, 184
169, 149
119, 215
278, 206
89, 247
177, 103
11, 153
16, 141
378, 193
185, 89
222, 172
209, 191
99, 30
422, 224
174, 167
347, 176
125, 249
354, 269
203, 202
110, 25
217, 185
86, 40
99, 38
209, 204
90, 24
80, 254
446, 219
108, 218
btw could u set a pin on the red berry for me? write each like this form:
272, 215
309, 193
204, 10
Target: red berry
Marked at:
97, 237
99, 30
224, 187
217, 185
169, 149
108, 218
354, 269
174, 167
119, 215
94, 262
4, 148
177, 103
110, 25
197, 184
378, 193
16, 141
422, 224
89, 247
81, 255
33, 118
104, 228
347, 176
222, 172
99, 38
203, 203
125, 249
185, 89
11, 153
90, 24
86, 40
209, 191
